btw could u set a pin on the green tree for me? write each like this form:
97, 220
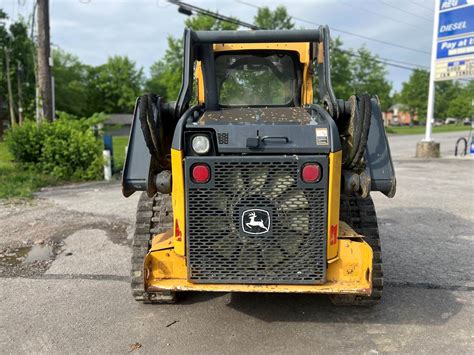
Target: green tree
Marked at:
452, 99
207, 23
23, 67
72, 84
16, 41
273, 20
115, 85
445, 93
5, 43
166, 73
4, 36
461, 106
341, 74
369, 76
414, 93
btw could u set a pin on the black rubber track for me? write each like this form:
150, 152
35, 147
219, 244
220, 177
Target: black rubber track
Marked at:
154, 216
359, 213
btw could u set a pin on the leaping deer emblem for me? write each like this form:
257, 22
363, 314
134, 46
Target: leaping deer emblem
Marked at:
255, 223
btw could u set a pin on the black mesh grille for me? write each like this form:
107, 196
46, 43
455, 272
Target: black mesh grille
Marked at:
220, 246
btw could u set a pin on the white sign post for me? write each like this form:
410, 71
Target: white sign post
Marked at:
452, 57
431, 90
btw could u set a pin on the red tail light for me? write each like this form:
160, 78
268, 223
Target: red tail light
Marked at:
311, 172
201, 173
177, 231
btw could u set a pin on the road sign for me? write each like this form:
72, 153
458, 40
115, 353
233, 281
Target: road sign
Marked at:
452, 50
454, 69
453, 4
457, 21
455, 40
455, 47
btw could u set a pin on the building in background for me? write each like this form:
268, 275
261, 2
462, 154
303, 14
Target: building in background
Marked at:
399, 115
118, 124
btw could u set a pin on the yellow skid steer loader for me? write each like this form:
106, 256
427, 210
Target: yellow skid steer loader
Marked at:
252, 183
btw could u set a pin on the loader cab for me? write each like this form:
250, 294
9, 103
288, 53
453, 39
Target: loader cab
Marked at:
255, 77
256, 69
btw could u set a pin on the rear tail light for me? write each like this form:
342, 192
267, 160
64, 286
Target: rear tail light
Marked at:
200, 173
177, 231
311, 172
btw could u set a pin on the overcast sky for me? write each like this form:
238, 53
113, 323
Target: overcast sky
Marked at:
97, 29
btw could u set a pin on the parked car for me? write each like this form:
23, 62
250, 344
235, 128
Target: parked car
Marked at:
467, 121
451, 120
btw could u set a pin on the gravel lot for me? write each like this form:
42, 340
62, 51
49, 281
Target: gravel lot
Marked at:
64, 266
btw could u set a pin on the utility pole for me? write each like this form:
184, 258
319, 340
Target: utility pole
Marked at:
43, 55
9, 86
20, 96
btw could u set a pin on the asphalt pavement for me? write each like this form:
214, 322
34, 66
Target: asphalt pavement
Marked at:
79, 300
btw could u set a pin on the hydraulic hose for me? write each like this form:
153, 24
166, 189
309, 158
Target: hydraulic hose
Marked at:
356, 132
152, 125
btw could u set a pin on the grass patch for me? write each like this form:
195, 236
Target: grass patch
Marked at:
119, 143
422, 129
16, 182
5, 156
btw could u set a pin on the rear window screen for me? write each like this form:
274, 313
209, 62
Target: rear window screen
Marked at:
255, 79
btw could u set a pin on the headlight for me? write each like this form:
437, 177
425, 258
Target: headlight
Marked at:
201, 144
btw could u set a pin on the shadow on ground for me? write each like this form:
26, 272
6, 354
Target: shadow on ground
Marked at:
426, 261
402, 305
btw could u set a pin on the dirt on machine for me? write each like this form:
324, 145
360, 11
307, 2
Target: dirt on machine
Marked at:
257, 178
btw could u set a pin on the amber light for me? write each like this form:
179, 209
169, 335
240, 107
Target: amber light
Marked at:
201, 173
311, 172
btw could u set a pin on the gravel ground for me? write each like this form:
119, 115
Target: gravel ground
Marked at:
58, 213
75, 297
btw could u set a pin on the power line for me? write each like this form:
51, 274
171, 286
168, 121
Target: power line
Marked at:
188, 8
364, 9
365, 37
386, 61
348, 32
404, 11
423, 7
416, 66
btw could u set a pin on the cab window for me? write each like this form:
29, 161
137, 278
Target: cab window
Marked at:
260, 79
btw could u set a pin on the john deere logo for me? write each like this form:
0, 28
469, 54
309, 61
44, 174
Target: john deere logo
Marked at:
255, 221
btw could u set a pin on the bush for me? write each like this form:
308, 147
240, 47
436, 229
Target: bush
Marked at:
25, 142
66, 148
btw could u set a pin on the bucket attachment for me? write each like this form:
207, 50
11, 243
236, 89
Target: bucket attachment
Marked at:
149, 145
